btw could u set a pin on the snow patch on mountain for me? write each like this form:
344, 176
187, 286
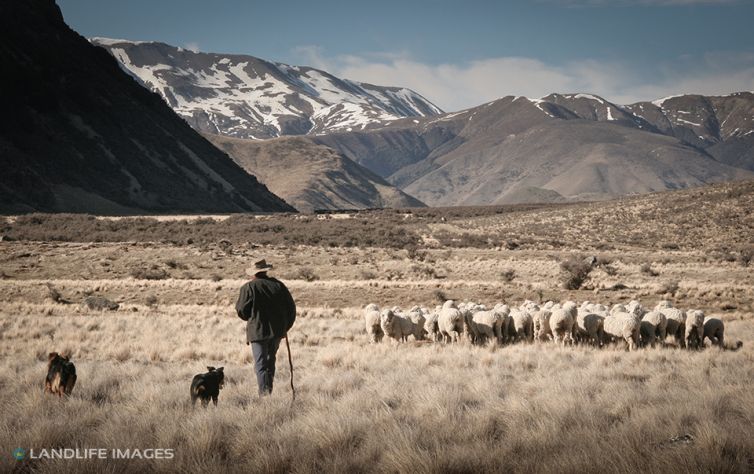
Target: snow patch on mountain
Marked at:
590, 97
247, 97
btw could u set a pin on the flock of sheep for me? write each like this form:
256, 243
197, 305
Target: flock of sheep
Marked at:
566, 323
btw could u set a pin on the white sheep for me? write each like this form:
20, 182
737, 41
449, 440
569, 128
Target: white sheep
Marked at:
694, 334
396, 326
676, 321
541, 325
590, 327
416, 315
562, 323
622, 326
635, 308
523, 325
450, 322
653, 328
372, 320
483, 325
506, 328
430, 325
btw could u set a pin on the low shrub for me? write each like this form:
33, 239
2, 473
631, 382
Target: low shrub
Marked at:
575, 271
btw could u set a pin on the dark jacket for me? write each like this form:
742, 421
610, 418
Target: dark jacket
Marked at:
267, 307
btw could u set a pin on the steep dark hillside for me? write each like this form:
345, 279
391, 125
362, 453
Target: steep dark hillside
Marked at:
79, 134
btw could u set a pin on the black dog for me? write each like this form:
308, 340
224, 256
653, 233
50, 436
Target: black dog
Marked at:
61, 375
206, 386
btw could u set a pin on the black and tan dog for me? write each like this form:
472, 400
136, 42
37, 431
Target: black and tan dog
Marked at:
61, 375
207, 385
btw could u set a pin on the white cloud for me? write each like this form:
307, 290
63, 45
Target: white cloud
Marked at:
458, 86
192, 46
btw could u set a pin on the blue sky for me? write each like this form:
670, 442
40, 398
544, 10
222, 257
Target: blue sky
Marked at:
463, 53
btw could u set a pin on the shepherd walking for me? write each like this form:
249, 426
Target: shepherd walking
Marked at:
269, 311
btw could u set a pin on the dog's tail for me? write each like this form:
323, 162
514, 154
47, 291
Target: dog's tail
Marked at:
196, 392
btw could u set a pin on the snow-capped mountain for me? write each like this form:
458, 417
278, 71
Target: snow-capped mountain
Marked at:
247, 97
559, 147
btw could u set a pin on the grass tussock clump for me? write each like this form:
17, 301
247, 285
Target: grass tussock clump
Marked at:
54, 295
306, 274
508, 275
152, 273
745, 256
669, 287
100, 303
646, 269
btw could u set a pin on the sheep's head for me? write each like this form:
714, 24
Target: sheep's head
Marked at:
634, 307
663, 304
528, 304
371, 307
694, 317
449, 304
387, 317
694, 328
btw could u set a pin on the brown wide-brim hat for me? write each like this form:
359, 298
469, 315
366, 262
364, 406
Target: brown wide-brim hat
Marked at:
258, 267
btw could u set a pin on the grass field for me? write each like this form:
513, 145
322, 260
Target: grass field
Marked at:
412, 407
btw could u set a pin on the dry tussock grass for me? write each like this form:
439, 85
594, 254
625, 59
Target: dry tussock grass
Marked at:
412, 407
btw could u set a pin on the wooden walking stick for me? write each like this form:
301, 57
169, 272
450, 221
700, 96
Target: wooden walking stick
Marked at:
290, 364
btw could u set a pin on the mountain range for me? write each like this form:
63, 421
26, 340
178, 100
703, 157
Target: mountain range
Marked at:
145, 127
515, 149
79, 135
246, 97
560, 147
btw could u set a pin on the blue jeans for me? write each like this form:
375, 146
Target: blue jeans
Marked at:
263, 353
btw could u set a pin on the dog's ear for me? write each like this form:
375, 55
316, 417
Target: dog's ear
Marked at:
220, 369
51, 355
211, 369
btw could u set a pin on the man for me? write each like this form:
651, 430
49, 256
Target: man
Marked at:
269, 311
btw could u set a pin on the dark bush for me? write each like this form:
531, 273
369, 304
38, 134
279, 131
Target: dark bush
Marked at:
152, 273
306, 274
440, 296
100, 303
368, 275
646, 269
669, 287
745, 257
54, 294
575, 272
508, 275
